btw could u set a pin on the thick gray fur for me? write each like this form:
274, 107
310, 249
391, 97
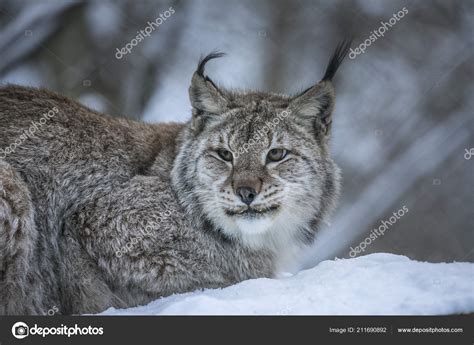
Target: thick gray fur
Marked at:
99, 212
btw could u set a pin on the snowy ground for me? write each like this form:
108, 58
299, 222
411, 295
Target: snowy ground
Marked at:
376, 284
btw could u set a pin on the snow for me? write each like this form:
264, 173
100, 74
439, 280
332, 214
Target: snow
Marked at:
375, 284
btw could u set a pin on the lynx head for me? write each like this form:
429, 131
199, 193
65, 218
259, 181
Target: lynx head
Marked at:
256, 165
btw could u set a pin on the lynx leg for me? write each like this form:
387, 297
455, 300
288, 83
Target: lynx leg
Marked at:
17, 240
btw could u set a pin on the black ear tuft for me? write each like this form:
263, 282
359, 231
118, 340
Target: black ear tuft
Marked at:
336, 59
205, 59
204, 95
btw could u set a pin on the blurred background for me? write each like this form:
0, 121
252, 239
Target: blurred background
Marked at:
403, 130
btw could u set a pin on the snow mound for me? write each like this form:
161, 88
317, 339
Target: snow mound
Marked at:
376, 284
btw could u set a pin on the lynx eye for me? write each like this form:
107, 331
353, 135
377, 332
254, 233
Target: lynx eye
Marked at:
225, 155
275, 155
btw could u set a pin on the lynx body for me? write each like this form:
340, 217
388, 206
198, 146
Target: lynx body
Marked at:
99, 212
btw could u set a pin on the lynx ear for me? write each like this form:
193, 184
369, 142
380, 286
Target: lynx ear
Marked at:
205, 96
315, 104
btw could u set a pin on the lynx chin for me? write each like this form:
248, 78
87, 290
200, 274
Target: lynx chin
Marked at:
223, 198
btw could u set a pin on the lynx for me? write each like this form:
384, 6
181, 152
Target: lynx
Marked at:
99, 212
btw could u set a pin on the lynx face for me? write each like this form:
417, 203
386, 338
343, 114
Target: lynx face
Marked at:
254, 175
256, 165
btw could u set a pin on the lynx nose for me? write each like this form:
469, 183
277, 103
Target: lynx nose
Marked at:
246, 194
